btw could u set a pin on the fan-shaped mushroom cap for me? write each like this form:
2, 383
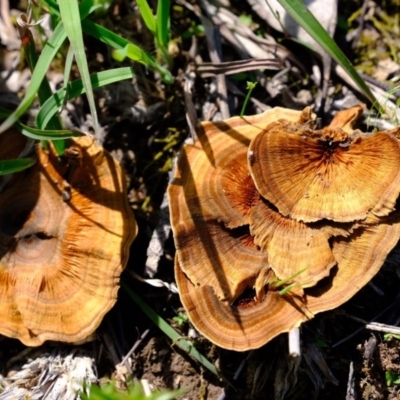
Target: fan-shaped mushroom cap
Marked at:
210, 253
313, 175
345, 119
359, 257
65, 232
216, 168
243, 326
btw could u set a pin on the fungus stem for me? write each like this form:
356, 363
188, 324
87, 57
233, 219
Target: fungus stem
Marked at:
294, 342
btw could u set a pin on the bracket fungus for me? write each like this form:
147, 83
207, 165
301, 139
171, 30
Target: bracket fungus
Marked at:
275, 220
65, 231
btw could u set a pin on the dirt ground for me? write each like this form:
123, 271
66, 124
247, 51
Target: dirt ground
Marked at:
144, 126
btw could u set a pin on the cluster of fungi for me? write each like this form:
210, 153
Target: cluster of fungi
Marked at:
65, 231
275, 220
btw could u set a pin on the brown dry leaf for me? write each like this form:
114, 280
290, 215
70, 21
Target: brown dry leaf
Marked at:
61, 258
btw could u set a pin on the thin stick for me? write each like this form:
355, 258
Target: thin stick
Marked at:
357, 331
376, 326
135, 346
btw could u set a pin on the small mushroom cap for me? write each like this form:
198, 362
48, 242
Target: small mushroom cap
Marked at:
345, 119
293, 246
314, 175
61, 259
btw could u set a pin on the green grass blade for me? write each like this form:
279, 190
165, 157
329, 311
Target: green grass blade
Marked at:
176, 338
162, 16
117, 42
162, 30
38, 134
300, 13
76, 88
46, 57
132, 51
250, 88
283, 281
133, 392
51, 134
15, 165
163, 8
69, 11
28, 44
288, 289
68, 67
147, 15
44, 90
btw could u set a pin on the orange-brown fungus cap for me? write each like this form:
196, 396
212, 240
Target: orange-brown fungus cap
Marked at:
345, 119
293, 246
359, 258
275, 221
313, 175
65, 231
248, 323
